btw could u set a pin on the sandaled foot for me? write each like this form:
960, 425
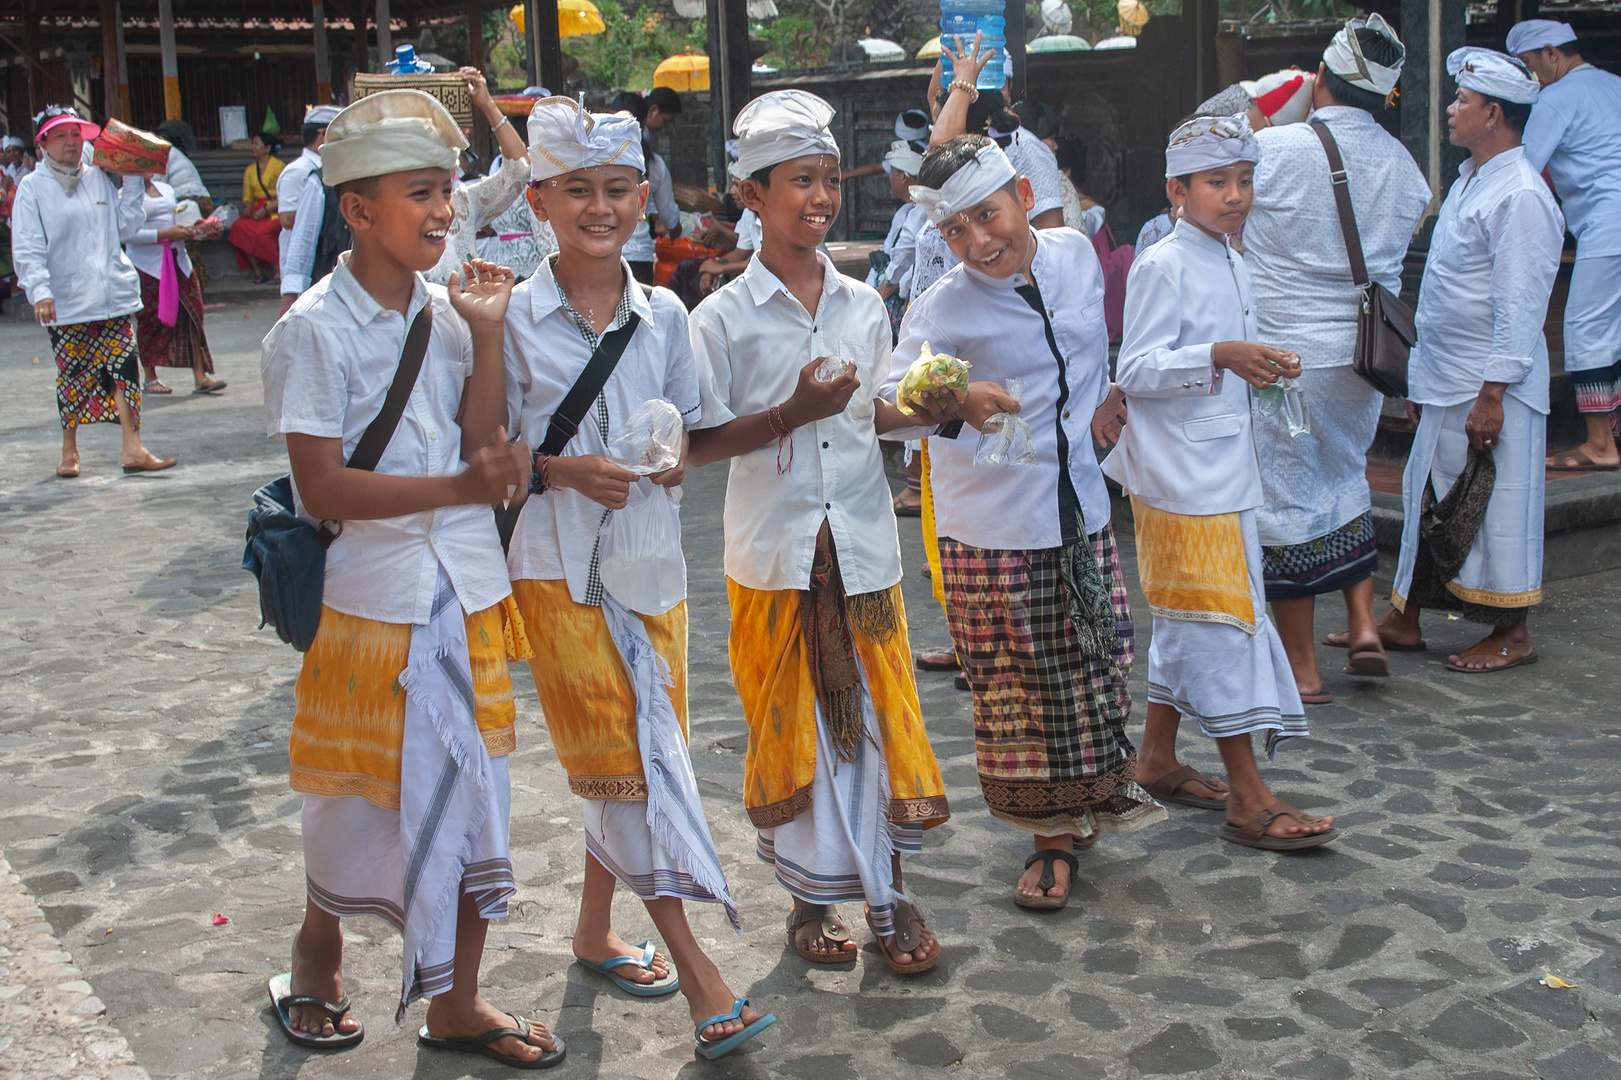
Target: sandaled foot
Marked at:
210, 386
338, 1029
1318, 696
820, 934
68, 469
708, 1005
482, 1029
1280, 827
1185, 786
1491, 654
1042, 888
316, 988
1389, 640
938, 660
153, 386
740, 1022
912, 948
1579, 460
150, 463
636, 969
908, 504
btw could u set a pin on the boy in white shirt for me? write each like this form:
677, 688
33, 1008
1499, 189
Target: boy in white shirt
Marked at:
1027, 566
819, 649
612, 680
1187, 459
406, 796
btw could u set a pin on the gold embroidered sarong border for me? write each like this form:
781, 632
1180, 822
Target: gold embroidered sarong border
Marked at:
609, 788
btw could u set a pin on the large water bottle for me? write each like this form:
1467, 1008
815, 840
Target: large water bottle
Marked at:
963, 18
405, 62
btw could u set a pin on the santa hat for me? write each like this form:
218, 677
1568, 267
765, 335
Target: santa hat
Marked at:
1284, 97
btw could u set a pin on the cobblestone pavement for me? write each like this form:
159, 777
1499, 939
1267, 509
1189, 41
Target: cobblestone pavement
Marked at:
143, 726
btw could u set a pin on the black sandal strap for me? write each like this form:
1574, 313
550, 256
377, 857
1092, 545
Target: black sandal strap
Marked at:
1047, 856
336, 1010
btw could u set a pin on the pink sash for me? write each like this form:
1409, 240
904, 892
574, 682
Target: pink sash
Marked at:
168, 287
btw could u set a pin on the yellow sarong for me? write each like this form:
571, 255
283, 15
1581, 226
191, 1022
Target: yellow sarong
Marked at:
1193, 567
349, 713
773, 680
586, 692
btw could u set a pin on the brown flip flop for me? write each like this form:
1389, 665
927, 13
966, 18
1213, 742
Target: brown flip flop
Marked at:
904, 940
1390, 646
1048, 856
1253, 832
1577, 461
1368, 664
1321, 697
1168, 789
834, 929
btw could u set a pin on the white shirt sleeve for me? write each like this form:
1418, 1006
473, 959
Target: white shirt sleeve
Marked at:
132, 212
1524, 245
1543, 131
28, 246
306, 234
712, 360
306, 390
1150, 363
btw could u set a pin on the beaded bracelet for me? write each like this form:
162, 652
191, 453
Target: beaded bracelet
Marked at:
970, 88
540, 477
785, 434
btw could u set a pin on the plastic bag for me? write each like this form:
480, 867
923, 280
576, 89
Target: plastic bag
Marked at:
930, 371
1287, 395
639, 550
832, 367
225, 215
1005, 439
650, 441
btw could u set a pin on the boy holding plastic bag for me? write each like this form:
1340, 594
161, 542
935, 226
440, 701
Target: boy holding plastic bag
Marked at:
1026, 564
601, 378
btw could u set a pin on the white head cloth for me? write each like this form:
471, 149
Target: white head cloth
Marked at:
11, 142
321, 115
1210, 142
1284, 97
986, 173
387, 132
1231, 100
901, 156
781, 126
564, 137
912, 125
1534, 34
1344, 56
1489, 72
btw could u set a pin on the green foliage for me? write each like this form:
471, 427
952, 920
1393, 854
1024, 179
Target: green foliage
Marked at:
624, 55
796, 42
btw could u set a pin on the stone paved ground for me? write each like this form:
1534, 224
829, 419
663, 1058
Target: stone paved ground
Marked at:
143, 725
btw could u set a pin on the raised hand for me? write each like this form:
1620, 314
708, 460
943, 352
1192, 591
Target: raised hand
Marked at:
474, 78
966, 64
484, 299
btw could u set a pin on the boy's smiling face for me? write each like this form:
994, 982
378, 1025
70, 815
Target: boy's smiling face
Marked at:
593, 210
406, 215
993, 236
801, 201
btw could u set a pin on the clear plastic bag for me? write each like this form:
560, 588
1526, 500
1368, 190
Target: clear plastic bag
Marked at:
639, 550
832, 367
1005, 439
650, 441
1287, 395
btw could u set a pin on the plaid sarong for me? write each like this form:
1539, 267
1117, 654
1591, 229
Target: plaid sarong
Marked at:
1049, 725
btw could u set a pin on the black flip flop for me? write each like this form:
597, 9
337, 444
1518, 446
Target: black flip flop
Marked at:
1047, 880
905, 511
480, 1044
282, 999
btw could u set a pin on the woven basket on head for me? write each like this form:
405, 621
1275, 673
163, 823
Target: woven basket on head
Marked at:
449, 87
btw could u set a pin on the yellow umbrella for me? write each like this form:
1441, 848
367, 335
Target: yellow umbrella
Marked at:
686, 71
1133, 14
575, 18
930, 50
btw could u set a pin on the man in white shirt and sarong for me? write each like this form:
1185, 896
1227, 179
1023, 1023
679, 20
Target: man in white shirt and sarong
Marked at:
1574, 133
1316, 526
1472, 495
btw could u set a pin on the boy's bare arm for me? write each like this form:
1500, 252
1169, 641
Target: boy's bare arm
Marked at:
810, 401
331, 491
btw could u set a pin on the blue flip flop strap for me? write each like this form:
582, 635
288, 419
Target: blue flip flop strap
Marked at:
645, 961
735, 1014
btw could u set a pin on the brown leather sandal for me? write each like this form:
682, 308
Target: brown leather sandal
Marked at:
1168, 789
834, 930
903, 940
1253, 832
1048, 856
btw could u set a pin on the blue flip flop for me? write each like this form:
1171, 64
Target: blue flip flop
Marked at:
657, 988
721, 1047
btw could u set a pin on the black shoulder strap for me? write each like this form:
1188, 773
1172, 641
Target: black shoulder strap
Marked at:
1342, 202
369, 451
566, 420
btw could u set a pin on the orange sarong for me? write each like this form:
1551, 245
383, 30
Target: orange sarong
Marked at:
585, 690
1193, 567
349, 716
773, 680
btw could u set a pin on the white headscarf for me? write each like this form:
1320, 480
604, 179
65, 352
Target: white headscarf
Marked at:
1210, 142
321, 115
1534, 34
1344, 56
901, 156
564, 137
11, 142
781, 126
913, 125
986, 173
1492, 73
390, 131
1284, 97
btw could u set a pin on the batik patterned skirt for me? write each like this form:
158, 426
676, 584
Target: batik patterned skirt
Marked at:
177, 346
1327, 564
1049, 724
94, 361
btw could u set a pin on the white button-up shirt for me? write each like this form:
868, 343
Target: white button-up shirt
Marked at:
1293, 244
901, 247
750, 339
68, 249
144, 248
987, 322
1575, 130
1187, 447
1484, 299
299, 242
327, 366
290, 189
545, 353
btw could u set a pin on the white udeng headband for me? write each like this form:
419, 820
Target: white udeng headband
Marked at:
984, 175
1344, 56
